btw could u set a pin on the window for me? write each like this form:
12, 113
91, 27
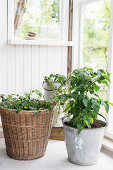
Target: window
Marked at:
96, 34
95, 46
42, 17
109, 131
38, 20
95, 38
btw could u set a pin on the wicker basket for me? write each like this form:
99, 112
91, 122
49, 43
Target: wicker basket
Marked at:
26, 136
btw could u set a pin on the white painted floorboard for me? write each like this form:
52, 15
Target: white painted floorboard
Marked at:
54, 159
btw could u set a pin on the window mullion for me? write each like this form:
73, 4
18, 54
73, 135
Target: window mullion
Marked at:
109, 130
64, 11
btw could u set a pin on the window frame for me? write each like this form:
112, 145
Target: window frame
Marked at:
110, 69
77, 57
64, 11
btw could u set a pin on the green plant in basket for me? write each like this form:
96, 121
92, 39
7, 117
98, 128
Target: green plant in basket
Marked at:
83, 101
29, 101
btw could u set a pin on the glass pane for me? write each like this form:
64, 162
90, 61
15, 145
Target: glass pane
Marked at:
96, 25
38, 16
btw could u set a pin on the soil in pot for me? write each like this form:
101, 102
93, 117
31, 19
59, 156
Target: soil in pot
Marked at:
95, 124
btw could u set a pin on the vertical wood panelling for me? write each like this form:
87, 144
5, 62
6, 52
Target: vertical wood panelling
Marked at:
43, 64
27, 68
64, 61
58, 60
35, 67
3, 47
19, 69
11, 84
50, 60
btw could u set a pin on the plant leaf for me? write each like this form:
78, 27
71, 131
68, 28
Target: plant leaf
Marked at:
35, 113
106, 105
80, 127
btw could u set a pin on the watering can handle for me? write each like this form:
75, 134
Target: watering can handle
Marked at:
63, 118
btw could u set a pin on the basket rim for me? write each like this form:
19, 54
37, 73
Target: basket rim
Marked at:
27, 111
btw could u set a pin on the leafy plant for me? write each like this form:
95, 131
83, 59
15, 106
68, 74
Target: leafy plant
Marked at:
83, 101
57, 90
56, 78
26, 102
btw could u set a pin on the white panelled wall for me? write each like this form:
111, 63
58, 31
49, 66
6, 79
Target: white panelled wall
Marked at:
23, 67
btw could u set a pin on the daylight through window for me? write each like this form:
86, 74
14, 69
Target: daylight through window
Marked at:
95, 41
37, 18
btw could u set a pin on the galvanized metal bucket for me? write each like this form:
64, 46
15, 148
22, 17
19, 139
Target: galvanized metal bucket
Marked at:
50, 93
57, 121
83, 149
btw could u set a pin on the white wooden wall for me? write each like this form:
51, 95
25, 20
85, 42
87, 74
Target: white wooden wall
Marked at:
23, 67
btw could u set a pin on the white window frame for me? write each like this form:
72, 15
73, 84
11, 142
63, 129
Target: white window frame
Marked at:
110, 69
64, 15
77, 58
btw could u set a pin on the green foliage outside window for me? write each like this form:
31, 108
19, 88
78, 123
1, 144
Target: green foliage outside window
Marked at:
33, 20
96, 35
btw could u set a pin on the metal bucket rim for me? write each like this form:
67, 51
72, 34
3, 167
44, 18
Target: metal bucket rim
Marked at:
87, 128
50, 87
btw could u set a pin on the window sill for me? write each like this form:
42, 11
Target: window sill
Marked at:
22, 41
107, 145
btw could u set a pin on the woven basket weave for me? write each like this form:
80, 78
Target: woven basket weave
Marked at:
26, 136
